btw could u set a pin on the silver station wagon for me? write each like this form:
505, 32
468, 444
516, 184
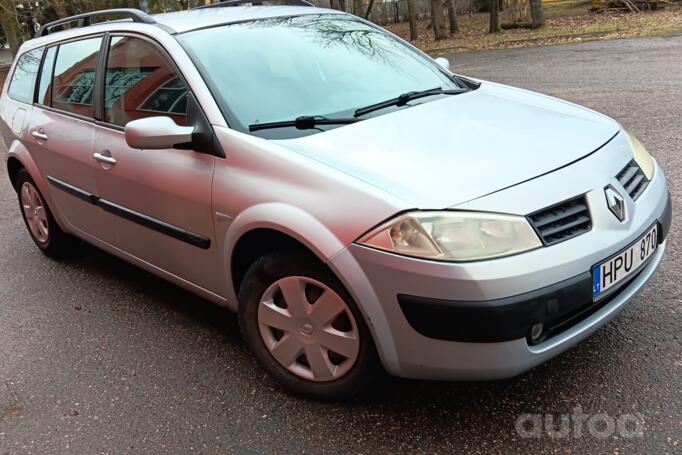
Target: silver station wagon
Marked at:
360, 206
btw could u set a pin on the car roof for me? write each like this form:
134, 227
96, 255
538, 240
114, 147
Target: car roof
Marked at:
183, 21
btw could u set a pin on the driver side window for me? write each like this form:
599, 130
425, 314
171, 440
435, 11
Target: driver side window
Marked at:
140, 83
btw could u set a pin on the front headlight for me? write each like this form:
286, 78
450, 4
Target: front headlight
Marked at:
642, 157
454, 236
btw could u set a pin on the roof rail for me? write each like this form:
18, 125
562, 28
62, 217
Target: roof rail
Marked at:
84, 19
256, 3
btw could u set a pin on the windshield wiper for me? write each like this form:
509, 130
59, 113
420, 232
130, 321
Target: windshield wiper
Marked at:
405, 98
306, 122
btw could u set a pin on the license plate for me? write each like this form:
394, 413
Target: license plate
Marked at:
607, 275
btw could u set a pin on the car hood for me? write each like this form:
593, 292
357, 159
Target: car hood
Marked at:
457, 148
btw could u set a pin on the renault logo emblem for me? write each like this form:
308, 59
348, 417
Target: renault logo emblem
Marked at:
615, 202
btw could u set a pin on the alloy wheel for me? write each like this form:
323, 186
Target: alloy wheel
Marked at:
34, 210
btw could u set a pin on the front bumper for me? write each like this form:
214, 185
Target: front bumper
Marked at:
557, 307
417, 349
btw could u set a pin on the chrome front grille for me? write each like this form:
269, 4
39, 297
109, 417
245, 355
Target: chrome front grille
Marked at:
633, 179
562, 221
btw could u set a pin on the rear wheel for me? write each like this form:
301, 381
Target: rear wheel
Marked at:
304, 329
41, 225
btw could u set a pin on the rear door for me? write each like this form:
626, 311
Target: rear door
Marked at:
62, 130
161, 199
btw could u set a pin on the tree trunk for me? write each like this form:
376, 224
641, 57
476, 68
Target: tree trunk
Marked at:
412, 16
536, 13
452, 16
357, 7
342, 5
334, 4
10, 35
494, 16
59, 9
437, 15
10, 26
369, 9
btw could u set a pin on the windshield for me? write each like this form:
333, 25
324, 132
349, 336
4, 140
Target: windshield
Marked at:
278, 69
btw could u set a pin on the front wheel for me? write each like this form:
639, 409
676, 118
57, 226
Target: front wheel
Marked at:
304, 328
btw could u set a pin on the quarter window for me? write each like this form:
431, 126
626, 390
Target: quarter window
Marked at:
23, 83
74, 76
140, 83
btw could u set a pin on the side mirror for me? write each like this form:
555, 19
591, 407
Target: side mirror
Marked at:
443, 63
156, 133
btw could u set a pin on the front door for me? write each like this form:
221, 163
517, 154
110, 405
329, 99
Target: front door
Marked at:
160, 199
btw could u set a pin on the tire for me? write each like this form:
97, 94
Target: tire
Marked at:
318, 371
41, 226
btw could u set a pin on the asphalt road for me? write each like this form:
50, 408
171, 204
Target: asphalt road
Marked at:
97, 356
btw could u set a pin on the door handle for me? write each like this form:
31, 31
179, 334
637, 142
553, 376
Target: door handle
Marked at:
103, 158
39, 134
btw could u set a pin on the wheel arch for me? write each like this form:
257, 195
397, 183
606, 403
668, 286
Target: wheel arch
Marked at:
13, 168
18, 157
294, 228
254, 244
267, 227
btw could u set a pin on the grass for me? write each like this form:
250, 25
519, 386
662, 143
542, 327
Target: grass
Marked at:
567, 21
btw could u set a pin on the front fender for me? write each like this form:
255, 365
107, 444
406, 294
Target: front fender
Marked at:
287, 219
309, 231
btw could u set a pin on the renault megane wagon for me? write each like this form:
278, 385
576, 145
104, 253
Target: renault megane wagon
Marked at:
360, 206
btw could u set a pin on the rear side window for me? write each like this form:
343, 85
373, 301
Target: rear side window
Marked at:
23, 81
140, 83
45, 84
74, 76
